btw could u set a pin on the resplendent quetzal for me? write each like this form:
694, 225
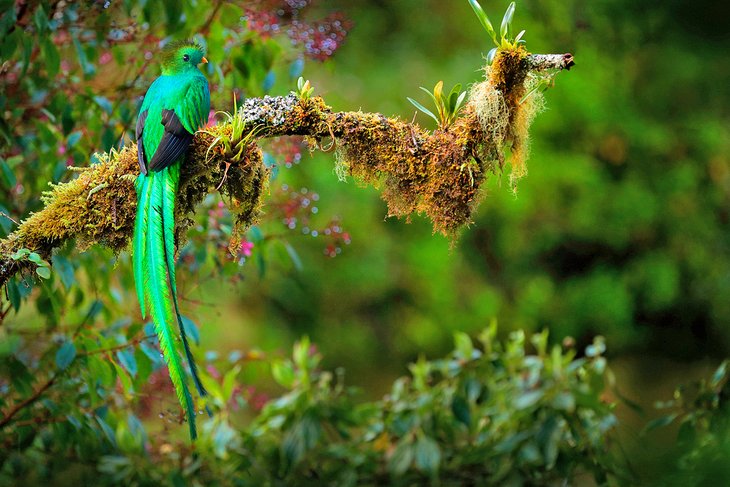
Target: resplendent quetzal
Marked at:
175, 107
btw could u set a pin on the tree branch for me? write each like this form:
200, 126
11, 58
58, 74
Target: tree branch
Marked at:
27, 402
437, 173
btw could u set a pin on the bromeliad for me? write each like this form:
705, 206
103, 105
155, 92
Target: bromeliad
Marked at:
175, 107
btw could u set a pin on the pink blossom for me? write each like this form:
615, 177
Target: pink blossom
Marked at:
246, 248
105, 58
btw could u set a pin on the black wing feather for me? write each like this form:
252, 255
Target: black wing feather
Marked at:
140, 145
174, 143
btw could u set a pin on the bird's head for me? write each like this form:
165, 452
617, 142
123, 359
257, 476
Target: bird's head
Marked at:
180, 56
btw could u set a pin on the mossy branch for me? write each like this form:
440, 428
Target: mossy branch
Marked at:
435, 173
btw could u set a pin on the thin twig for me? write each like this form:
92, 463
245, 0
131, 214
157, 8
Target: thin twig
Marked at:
2, 213
130, 343
27, 402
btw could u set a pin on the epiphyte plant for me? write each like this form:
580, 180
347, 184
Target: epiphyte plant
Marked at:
505, 41
234, 143
304, 89
447, 106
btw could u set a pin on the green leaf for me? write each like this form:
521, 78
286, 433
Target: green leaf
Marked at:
73, 138
104, 103
293, 447
464, 345
191, 329
506, 26
86, 66
438, 92
65, 271
402, 458
294, 256
454, 97
428, 455
229, 382
20, 254
301, 353
152, 353
423, 109
460, 408
660, 422
432, 94
124, 378
14, 294
43, 272
40, 18
460, 101
108, 431
126, 359
8, 174
100, 370
528, 399
9, 345
484, 20
65, 355
136, 428
254, 234
720, 374
564, 401
283, 373
549, 438
491, 55
51, 56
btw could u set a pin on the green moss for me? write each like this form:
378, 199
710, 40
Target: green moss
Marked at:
243, 182
420, 172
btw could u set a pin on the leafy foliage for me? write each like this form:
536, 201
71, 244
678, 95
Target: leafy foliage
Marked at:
447, 106
304, 89
515, 411
701, 413
506, 40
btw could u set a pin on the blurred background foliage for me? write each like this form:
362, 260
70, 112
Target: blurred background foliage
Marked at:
621, 228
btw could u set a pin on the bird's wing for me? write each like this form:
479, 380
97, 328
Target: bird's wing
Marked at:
180, 123
174, 143
194, 107
140, 144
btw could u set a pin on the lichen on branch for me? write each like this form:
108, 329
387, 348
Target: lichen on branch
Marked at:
438, 174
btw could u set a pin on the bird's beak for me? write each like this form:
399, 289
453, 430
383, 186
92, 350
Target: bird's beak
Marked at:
204, 61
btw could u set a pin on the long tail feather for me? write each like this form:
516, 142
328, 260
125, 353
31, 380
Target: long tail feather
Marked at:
168, 225
139, 245
158, 291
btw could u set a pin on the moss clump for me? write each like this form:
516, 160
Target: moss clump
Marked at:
439, 174
98, 206
503, 114
243, 181
433, 174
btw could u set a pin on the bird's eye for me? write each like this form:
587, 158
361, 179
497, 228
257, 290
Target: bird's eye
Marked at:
186, 58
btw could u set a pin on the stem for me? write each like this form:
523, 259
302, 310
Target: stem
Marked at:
130, 343
544, 62
27, 402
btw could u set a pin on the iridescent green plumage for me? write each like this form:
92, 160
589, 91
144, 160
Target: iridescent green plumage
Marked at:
174, 108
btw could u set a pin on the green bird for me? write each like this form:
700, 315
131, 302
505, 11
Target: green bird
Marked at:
175, 107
